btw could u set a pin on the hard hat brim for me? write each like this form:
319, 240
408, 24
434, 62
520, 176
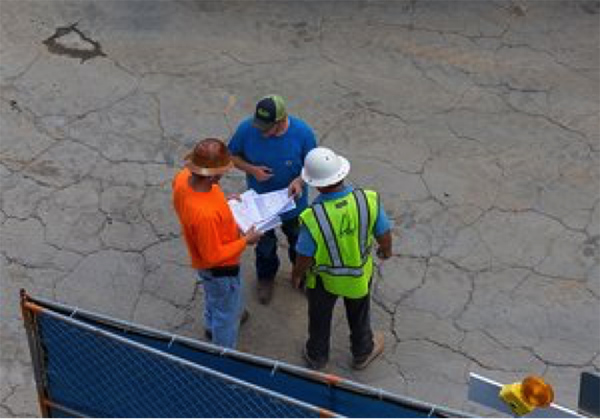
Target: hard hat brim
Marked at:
332, 180
206, 171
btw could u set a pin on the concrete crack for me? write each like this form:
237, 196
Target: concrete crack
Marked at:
12, 79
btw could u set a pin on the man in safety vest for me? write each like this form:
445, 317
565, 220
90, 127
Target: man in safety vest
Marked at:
334, 252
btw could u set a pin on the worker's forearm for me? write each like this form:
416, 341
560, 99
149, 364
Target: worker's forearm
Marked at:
301, 265
242, 164
385, 245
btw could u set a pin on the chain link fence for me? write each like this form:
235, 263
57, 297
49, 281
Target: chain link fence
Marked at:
90, 365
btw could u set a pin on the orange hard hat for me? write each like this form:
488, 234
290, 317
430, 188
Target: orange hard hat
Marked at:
210, 157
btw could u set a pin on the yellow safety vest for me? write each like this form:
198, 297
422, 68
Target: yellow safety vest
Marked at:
342, 231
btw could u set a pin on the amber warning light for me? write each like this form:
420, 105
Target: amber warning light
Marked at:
531, 393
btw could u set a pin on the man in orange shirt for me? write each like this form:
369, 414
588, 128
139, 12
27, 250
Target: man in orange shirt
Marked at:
212, 237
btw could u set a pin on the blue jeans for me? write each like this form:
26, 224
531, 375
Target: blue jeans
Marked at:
267, 261
222, 307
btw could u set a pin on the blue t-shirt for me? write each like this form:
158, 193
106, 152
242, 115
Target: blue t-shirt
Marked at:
284, 155
306, 245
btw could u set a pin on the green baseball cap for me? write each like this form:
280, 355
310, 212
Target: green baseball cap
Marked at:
269, 110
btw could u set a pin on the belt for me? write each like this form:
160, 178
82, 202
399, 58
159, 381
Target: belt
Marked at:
224, 271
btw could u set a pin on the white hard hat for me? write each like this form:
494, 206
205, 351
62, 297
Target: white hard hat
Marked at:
322, 167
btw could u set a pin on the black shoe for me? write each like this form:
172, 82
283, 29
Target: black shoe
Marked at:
311, 363
265, 291
378, 344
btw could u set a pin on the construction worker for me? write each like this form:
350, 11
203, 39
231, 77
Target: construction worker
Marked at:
270, 147
334, 252
212, 237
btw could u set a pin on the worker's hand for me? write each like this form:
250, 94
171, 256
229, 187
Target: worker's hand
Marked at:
297, 282
383, 255
252, 236
295, 188
262, 173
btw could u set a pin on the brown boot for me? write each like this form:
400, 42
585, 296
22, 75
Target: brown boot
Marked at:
265, 291
378, 343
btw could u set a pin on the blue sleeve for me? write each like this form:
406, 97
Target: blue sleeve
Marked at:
236, 144
382, 223
310, 142
305, 245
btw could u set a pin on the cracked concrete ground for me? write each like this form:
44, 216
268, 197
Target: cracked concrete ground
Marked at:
477, 122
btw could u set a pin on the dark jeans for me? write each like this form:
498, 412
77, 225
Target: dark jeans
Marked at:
320, 311
267, 261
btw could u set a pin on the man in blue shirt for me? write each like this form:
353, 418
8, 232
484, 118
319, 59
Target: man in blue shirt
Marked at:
270, 148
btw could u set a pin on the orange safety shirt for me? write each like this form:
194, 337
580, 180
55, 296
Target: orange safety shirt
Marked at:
210, 231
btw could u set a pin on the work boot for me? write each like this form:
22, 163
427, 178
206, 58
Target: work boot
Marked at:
243, 319
378, 343
311, 363
265, 291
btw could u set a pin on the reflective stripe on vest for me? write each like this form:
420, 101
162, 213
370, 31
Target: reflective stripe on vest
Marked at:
328, 235
340, 271
363, 221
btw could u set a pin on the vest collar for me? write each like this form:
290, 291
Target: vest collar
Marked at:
334, 195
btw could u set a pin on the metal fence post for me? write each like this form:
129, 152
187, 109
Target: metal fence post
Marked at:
36, 351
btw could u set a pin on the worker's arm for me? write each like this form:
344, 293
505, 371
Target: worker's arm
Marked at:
382, 230
261, 173
301, 266
295, 188
384, 251
242, 164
